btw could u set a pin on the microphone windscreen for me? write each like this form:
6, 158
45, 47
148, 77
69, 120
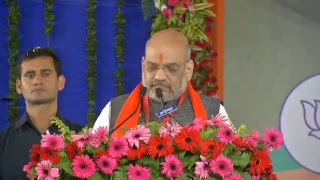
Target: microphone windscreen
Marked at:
159, 93
143, 91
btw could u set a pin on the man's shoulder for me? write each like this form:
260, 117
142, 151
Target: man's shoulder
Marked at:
209, 99
73, 126
120, 99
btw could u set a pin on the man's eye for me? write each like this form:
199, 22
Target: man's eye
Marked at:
152, 67
29, 75
172, 69
46, 73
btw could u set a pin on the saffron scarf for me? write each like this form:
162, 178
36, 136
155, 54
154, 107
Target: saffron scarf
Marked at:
134, 98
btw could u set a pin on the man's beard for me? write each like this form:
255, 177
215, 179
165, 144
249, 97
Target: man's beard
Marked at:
166, 97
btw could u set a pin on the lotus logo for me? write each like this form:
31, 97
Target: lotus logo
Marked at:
300, 123
311, 115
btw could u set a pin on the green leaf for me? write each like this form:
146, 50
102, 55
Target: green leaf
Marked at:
96, 176
240, 159
209, 133
180, 154
207, 12
154, 127
245, 175
183, 176
64, 164
201, 6
189, 162
147, 161
227, 150
120, 173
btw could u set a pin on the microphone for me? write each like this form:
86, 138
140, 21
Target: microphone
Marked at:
159, 94
143, 92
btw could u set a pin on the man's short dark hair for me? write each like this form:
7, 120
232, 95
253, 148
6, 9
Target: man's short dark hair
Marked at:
40, 52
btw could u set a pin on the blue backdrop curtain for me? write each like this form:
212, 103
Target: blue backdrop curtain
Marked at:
68, 41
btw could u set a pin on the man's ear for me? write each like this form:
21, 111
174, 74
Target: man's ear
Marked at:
18, 86
189, 69
61, 82
142, 62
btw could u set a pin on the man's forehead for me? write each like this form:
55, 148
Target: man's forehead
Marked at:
164, 57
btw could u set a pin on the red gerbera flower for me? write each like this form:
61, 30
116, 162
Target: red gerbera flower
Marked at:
135, 152
50, 154
100, 152
159, 146
260, 163
73, 150
35, 153
271, 177
187, 139
238, 141
209, 146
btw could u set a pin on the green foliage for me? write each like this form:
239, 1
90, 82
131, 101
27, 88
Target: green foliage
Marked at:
64, 164
240, 159
64, 130
195, 22
96, 176
91, 74
48, 17
120, 173
189, 162
13, 48
209, 133
154, 127
119, 21
146, 161
148, 9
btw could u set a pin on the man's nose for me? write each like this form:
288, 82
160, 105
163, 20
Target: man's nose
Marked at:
160, 75
37, 80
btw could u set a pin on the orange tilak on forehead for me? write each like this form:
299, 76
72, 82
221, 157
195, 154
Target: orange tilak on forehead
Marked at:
160, 57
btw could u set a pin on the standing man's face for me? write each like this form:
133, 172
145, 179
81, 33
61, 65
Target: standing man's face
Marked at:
39, 83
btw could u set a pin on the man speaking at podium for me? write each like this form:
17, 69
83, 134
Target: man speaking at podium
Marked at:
165, 93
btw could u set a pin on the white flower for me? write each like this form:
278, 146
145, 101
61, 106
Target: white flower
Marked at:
163, 7
157, 4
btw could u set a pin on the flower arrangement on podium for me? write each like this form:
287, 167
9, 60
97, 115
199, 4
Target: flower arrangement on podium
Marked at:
200, 150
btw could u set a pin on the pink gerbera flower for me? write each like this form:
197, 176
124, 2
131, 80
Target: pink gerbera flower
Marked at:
234, 177
218, 121
195, 125
138, 134
253, 139
226, 135
83, 166
167, 13
255, 177
106, 164
45, 171
26, 168
172, 167
89, 138
118, 147
172, 3
202, 167
138, 172
82, 140
170, 130
273, 138
53, 141
101, 133
221, 166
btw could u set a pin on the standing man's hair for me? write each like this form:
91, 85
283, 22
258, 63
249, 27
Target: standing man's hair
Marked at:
40, 52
